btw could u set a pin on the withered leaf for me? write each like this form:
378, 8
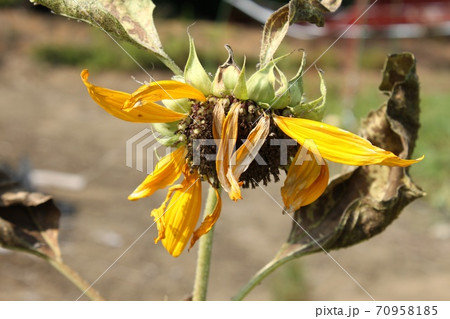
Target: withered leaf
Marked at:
278, 23
362, 203
29, 222
359, 205
136, 17
131, 21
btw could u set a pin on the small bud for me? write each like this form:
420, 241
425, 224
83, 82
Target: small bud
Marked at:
226, 77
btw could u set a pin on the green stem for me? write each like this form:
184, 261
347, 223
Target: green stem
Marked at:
171, 65
76, 279
261, 274
204, 253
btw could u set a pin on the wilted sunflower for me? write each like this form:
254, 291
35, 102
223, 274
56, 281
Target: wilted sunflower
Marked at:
246, 120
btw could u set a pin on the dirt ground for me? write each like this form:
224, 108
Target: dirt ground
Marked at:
47, 117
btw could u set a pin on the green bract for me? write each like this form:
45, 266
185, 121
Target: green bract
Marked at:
267, 87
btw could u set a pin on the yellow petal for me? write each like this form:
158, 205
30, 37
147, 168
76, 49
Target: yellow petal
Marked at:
147, 94
306, 180
227, 142
166, 172
113, 101
176, 220
208, 221
338, 145
245, 154
235, 186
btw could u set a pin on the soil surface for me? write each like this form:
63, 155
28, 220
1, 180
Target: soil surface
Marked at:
48, 120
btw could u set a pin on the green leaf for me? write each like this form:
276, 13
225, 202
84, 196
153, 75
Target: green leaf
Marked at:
131, 21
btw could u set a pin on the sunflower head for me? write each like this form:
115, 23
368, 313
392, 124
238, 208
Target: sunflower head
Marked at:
265, 92
233, 133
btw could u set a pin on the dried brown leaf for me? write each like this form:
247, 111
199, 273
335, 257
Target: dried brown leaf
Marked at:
29, 222
362, 203
278, 23
358, 205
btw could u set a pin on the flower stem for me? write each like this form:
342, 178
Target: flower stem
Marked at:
76, 279
204, 253
263, 273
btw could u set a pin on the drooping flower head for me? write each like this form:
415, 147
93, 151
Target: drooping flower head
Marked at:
234, 132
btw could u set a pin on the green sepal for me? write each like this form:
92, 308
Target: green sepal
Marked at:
313, 110
194, 73
296, 84
282, 95
226, 77
265, 105
178, 105
261, 85
240, 90
168, 140
167, 131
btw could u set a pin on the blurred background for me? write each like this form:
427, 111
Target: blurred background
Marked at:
50, 127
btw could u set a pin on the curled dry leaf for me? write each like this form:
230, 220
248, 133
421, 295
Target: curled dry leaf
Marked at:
29, 222
362, 203
278, 23
359, 205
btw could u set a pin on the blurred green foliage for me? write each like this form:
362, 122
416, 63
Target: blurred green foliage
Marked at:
9, 3
289, 282
104, 54
434, 142
96, 58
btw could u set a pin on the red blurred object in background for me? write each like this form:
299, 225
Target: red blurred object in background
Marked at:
390, 12
368, 18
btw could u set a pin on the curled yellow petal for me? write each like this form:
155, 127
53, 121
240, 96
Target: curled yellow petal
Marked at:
235, 186
338, 145
208, 221
113, 101
306, 180
148, 94
245, 154
176, 219
227, 142
166, 172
